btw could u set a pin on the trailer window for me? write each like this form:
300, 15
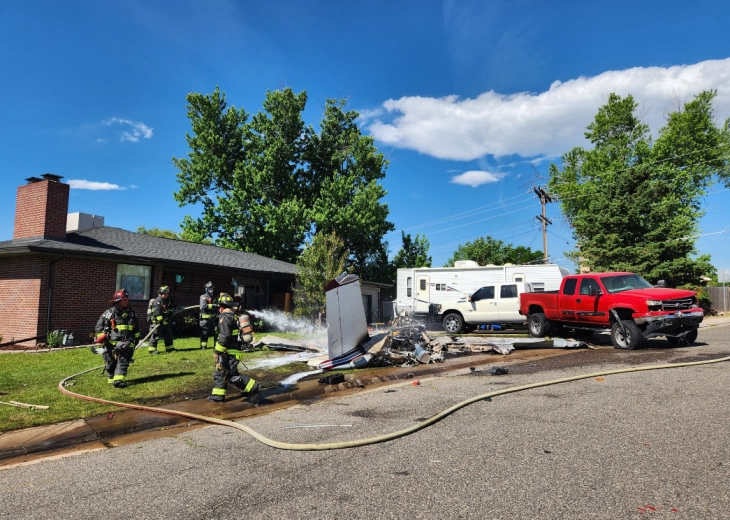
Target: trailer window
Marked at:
569, 287
508, 291
422, 284
409, 281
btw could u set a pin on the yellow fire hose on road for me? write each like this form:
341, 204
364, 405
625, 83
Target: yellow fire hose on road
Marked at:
382, 438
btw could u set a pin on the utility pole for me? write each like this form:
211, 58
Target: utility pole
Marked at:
544, 199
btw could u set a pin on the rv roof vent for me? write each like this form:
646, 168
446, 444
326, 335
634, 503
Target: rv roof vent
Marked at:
466, 263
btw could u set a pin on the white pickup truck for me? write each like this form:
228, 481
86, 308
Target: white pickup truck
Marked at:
494, 304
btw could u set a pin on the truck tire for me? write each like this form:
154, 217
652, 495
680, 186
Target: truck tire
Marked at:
632, 339
690, 337
453, 323
538, 325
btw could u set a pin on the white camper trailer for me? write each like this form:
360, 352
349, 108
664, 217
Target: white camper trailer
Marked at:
420, 286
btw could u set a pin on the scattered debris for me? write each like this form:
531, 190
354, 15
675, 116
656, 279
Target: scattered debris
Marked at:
25, 405
499, 371
406, 343
416, 382
333, 379
298, 345
389, 391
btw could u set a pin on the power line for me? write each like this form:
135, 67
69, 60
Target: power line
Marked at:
469, 213
476, 221
544, 200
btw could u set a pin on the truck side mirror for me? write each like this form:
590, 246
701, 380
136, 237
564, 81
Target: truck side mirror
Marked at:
661, 283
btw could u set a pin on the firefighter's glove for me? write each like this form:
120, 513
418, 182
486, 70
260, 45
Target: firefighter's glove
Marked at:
122, 344
98, 350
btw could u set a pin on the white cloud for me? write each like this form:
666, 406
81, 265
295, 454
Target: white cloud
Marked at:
476, 178
138, 130
80, 184
544, 124
368, 114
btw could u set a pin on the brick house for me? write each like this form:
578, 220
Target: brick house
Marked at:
59, 271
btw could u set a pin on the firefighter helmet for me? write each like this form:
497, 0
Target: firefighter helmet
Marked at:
209, 288
120, 295
225, 300
164, 289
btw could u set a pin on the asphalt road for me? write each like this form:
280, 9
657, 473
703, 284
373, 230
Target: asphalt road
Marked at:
639, 445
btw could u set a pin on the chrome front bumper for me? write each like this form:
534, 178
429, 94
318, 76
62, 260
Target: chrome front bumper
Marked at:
675, 319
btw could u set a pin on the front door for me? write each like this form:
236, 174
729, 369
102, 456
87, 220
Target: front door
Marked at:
423, 294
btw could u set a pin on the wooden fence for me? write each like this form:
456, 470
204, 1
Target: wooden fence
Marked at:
720, 301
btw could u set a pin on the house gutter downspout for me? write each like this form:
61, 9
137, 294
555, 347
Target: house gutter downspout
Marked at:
51, 279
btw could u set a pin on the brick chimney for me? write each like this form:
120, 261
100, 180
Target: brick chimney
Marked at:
41, 207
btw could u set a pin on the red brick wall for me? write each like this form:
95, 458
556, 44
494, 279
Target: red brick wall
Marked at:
41, 209
188, 292
82, 289
20, 282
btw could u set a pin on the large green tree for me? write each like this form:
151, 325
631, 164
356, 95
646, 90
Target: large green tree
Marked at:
413, 252
323, 259
634, 203
185, 235
488, 250
266, 183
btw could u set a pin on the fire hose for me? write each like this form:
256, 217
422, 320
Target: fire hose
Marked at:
382, 438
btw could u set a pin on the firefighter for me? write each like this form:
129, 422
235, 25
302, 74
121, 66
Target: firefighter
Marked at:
160, 313
118, 331
208, 315
227, 354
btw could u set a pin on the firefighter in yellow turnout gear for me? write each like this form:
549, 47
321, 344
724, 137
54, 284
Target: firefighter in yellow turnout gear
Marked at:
160, 313
118, 332
208, 315
227, 355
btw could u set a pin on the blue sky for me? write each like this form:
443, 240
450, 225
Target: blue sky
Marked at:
469, 100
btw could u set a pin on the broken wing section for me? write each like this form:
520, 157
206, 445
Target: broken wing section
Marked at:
346, 325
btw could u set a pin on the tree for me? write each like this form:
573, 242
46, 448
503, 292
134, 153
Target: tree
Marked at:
487, 250
269, 183
322, 260
413, 253
634, 205
185, 235
345, 168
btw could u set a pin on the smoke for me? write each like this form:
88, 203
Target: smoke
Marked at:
284, 322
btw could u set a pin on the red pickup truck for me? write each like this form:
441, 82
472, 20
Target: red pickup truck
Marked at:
625, 303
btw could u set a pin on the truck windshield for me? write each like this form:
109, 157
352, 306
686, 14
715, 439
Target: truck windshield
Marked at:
625, 282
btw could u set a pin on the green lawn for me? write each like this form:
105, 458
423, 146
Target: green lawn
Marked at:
186, 373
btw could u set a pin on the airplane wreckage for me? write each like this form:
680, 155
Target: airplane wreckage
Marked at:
406, 343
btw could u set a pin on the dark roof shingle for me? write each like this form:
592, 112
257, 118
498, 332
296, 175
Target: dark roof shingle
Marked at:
115, 242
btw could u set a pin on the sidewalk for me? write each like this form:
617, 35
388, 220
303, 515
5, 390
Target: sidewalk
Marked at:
98, 432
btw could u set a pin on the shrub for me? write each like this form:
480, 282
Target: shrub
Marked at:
54, 338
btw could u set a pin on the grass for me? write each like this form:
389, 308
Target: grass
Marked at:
183, 374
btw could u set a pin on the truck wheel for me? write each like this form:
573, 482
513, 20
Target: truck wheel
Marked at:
453, 323
630, 340
690, 337
538, 325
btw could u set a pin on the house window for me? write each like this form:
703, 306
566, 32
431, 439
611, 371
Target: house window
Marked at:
136, 279
408, 285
